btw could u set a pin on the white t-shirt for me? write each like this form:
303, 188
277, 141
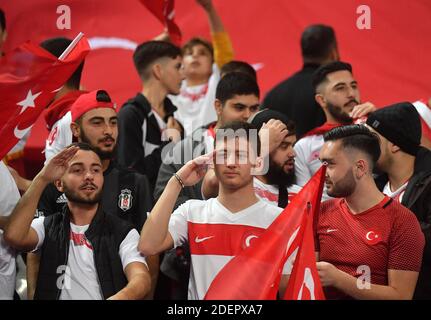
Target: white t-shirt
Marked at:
80, 281
59, 137
216, 235
397, 194
9, 196
307, 161
196, 104
269, 192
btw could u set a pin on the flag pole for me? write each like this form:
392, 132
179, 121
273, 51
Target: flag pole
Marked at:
71, 46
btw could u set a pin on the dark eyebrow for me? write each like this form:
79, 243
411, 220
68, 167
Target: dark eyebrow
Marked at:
240, 105
97, 118
96, 164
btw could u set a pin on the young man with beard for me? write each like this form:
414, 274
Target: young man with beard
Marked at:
368, 246
125, 194
85, 252
218, 228
277, 186
406, 172
337, 92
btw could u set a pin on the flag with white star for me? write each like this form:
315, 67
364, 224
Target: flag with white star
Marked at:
29, 79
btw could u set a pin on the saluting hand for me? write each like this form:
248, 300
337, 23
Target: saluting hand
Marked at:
57, 166
194, 170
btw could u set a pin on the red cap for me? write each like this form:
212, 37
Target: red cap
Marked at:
87, 102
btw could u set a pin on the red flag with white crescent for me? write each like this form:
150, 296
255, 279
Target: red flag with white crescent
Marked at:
29, 80
304, 282
255, 273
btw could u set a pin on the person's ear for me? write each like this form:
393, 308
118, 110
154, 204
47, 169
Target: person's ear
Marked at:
59, 185
218, 107
76, 130
393, 147
320, 99
157, 71
360, 168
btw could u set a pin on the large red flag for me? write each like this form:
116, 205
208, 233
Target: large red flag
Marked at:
304, 282
255, 273
164, 11
29, 80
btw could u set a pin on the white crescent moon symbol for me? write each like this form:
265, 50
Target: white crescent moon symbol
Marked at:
21, 133
369, 234
248, 239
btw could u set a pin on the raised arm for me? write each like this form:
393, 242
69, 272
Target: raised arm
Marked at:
17, 232
223, 51
155, 237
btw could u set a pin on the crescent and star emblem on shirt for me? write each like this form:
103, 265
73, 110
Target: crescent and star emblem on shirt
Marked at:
373, 237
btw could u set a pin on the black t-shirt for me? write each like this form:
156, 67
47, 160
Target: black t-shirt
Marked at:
126, 194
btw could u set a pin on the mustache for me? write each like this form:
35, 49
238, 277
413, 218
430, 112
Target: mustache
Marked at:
352, 100
107, 138
88, 184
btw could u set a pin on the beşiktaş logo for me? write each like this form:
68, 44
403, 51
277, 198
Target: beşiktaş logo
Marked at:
125, 199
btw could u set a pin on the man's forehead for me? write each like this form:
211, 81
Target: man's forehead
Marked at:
85, 156
239, 143
340, 76
100, 113
245, 99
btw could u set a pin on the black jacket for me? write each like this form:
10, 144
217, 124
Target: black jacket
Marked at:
418, 199
133, 151
105, 233
295, 98
126, 194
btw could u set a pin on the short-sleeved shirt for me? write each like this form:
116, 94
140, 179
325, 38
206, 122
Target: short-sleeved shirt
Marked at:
386, 236
9, 196
216, 235
81, 281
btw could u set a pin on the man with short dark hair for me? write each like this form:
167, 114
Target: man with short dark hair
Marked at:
338, 95
95, 252
216, 229
406, 168
238, 66
369, 246
126, 194
146, 122
295, 96
237, 98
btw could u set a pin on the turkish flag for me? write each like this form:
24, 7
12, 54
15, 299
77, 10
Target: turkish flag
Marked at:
29, 80
164, 11
255, 273
304, 282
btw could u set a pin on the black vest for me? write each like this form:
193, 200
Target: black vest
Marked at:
105, 233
